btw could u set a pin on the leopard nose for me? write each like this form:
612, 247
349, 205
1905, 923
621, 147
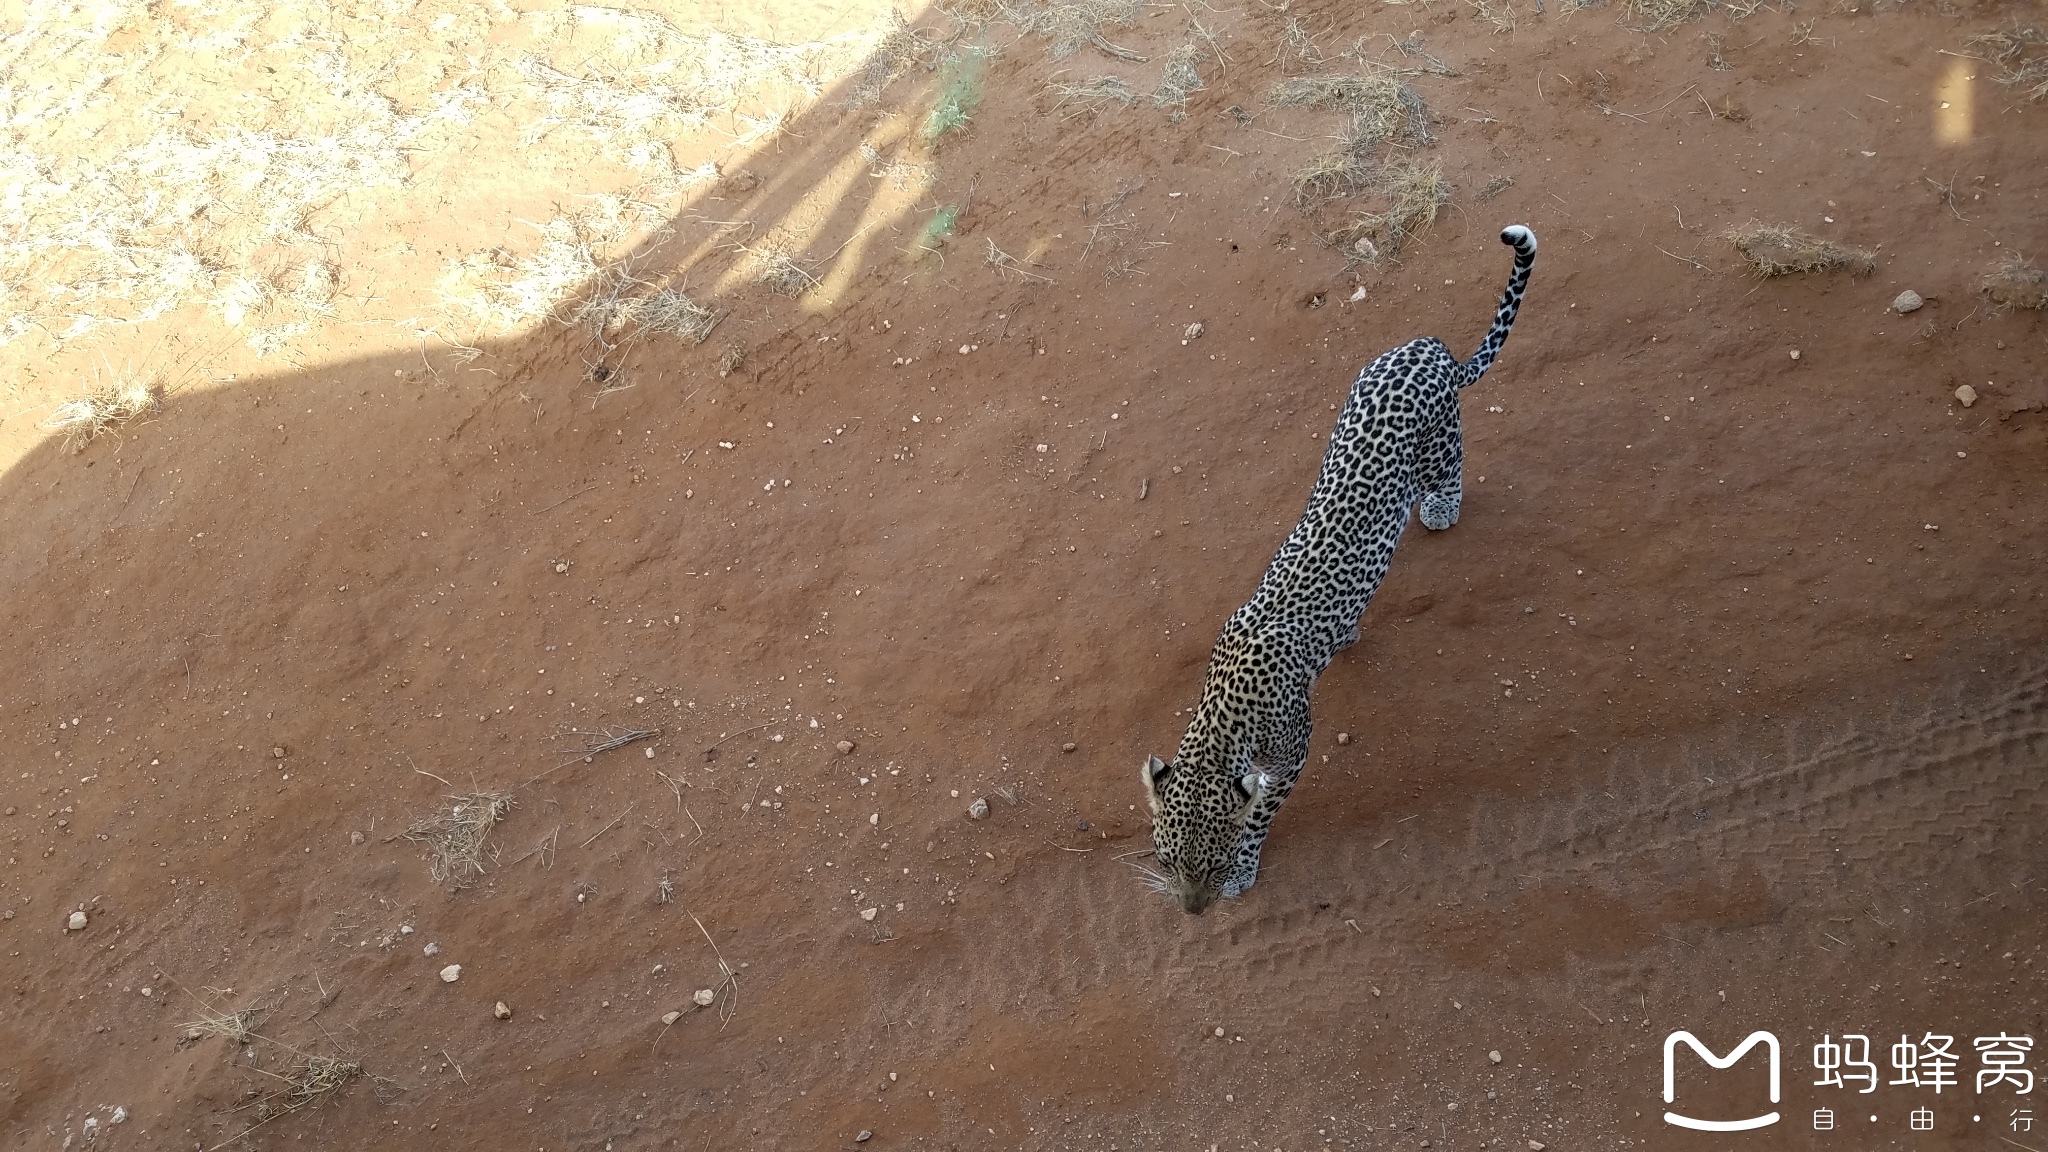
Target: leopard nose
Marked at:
1196, 901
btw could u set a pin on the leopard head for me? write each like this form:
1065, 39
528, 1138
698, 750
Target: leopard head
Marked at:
1197, 823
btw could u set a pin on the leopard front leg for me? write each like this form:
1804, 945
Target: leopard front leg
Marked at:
1442, 473
1256, 826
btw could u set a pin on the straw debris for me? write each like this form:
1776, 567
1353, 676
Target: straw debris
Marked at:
1414, 191
1093, 96
1381, 109
2016, 282
105, 408
458, 835
1780, 250
1657, 15
1073, 24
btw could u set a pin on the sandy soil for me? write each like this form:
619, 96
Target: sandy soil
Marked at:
1721, 709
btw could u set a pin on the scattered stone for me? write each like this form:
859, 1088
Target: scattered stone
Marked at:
1907, 301
119, 1115
1966, 395
1795, 353
845, 747
7, 915
355, 838
277, 751
451, 974
703, 997
76, 922
868, 913
864, 1137
1535, 1146
561, 567
1494, 1056
671, 1017
1343, 737
1069, 746
432, 950
405, 929
978, 810
501, 1011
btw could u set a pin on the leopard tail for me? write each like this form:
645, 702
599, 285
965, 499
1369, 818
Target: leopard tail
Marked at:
1523, 242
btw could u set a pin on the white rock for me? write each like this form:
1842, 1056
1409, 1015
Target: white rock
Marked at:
874, 819
1535, 1146
703, 997
76, 922
451, 974
119, 1115
671, 1017
501, 1010
868, 913
405, 929
432, 950
1795, 353
1358, 294
1494, 1056
845, 747
1966, 395
1907, 301
978, 810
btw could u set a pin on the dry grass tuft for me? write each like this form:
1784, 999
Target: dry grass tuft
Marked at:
1180, 78
1780, 250
1380, 108
235, 1027
2016, 282
667, 310
458, 835
1657, 15
1093, 96
2007, 48
104, 409
1413, 191
1073, 24
899, 50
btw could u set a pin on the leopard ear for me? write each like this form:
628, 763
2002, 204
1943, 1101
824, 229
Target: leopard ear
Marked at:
1253, 785
1155, 770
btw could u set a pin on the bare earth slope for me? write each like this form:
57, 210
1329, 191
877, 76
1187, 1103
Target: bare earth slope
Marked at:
1724, 707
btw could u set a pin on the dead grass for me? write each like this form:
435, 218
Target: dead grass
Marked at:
783, 274
458, 835
1073, 24
1380, 109
235, 1027
1780, 250
2008, 49
105, 408
1414, 191
1091, 97
1180, 77
900, 49
2016, 282
1657, 15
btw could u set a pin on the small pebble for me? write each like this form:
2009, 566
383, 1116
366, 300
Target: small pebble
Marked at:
975, 811
1069, 746
451, 974
1535, 1146
845, 747
431, 950
703, 997
1795, 353
864, 1137
405, 929
501, 1011
671, 1017
1343, 737
561, 567
868, 913
1494, 1056
355, 837
76, 922
277, 751
1907, 301
1966, 395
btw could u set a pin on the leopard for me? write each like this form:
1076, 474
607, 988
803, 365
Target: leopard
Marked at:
1397, 448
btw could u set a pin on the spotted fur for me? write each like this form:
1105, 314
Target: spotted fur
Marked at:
1396, 445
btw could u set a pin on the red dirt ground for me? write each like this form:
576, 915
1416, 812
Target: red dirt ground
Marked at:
1721, 709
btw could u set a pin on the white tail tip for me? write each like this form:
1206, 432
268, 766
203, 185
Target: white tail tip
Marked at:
1520, 238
